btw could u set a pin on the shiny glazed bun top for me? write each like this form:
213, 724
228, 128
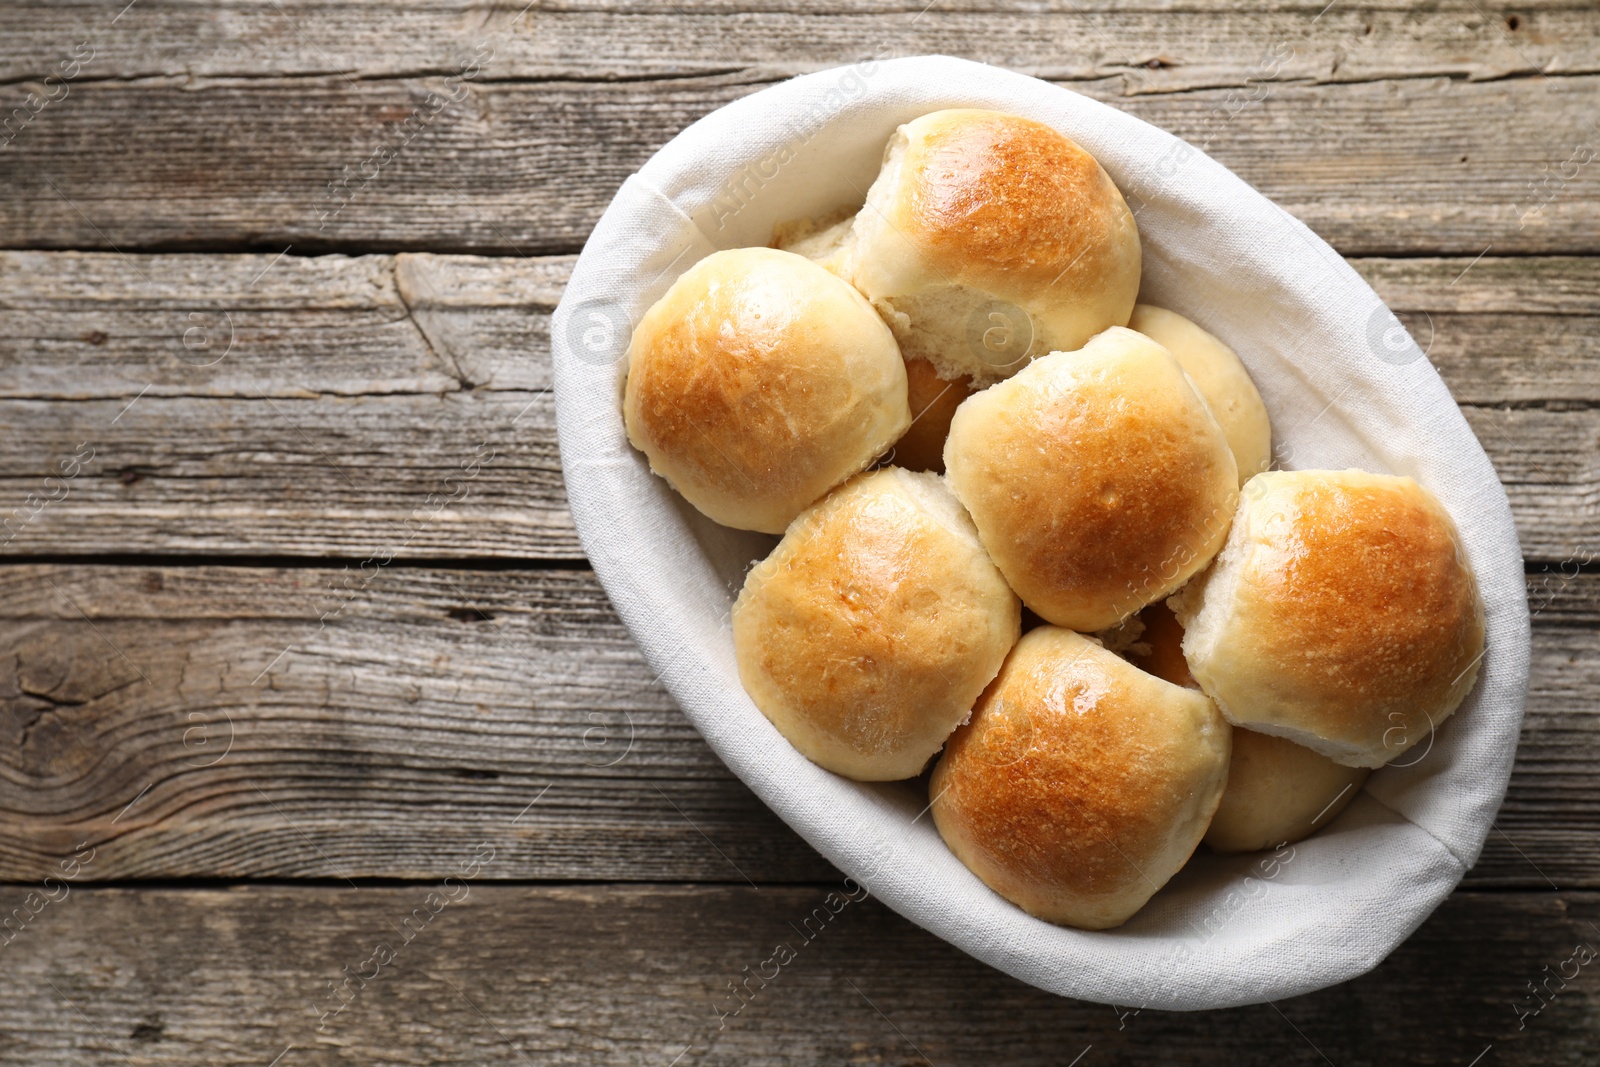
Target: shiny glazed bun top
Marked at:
1098, 479
1082, 783
1341, 614
759, 382
868, 633
989, 239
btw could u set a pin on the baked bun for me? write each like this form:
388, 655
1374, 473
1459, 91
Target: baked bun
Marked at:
1082, 783
1341, 614
868, 633
1098, 479
759, 382
1278, 793
988, 239
933, 404
1224, 384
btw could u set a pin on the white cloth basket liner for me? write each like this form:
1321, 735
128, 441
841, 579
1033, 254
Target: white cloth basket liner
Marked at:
1345, 386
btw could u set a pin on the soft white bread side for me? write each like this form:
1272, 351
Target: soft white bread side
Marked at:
868, 633
759, 382
820, 240
1341, 614
1278, 793
1224, 384
1082, 783
1098, 479
989, 239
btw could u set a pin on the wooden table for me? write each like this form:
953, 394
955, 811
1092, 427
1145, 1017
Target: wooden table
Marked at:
284, 683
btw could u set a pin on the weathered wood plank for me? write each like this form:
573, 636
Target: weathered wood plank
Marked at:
1549, 461
1153, 47
76, 326
300, 405
1543, 285
438, 703
1412, 165
1501, 330
431, 703
317, 405
85, 326
640, 975
455, 475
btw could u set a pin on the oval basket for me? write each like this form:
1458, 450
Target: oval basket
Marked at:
1346, 387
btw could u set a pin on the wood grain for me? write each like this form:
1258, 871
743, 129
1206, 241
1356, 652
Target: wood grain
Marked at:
323, 405
1153, 47
1543, 285
326, 723
198, 721
317, 722
637, 975
298, 405
1413, 165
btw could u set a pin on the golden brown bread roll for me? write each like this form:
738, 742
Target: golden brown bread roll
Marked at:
988, 239
1098, 479
868, 633
1082, 783
933, 404
1278, 792
1224, 384
1342, 614
759, 382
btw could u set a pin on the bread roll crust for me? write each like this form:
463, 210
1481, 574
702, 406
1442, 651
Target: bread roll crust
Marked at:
977, 208
759, 382
1278, 793
1342, 614
1098, 479
933, 404
980, 180
1081, 783
1222, 381
871, 629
